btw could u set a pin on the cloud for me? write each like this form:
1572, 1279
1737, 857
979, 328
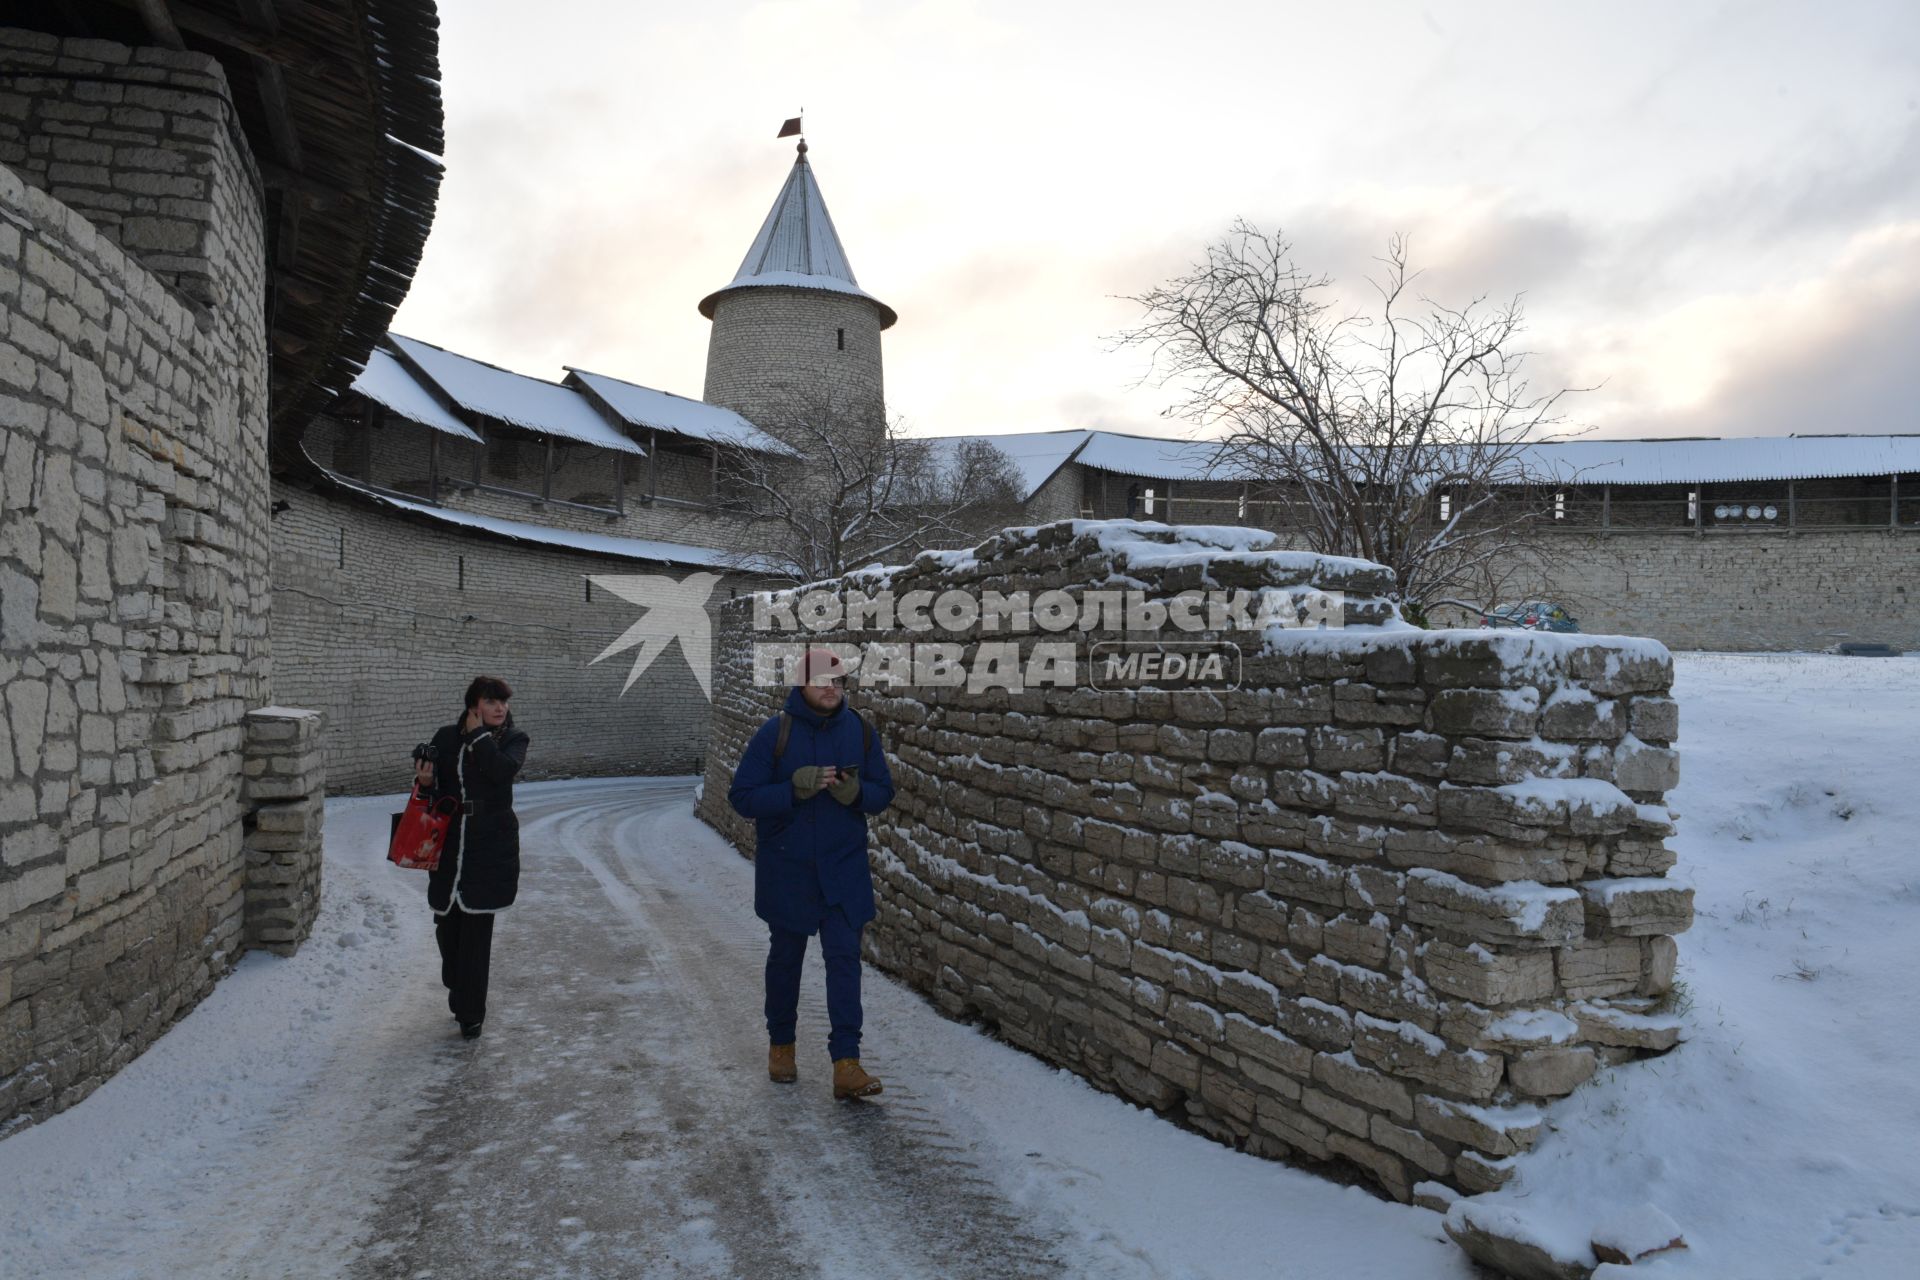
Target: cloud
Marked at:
1829, 352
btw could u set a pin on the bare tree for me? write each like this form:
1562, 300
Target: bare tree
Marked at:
1402, 434
860, 491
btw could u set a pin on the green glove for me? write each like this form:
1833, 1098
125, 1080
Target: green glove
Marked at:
847, 790
806, 781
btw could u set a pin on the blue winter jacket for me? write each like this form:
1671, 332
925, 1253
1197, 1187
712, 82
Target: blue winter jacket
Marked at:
812, 854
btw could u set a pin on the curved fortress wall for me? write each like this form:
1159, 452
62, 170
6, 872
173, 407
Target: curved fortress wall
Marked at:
133, 562
1373, 905
381, 622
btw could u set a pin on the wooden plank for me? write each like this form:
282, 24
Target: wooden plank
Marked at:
160, 23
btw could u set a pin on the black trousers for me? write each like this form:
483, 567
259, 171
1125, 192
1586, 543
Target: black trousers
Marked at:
466, 951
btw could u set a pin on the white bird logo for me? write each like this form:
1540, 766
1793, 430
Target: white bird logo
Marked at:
674, 611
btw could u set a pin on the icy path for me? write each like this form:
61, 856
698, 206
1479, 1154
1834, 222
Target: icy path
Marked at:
319, 1116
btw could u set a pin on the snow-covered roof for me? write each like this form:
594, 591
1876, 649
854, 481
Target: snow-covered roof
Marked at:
1149, 456
513, 398
1720, 460
1621, 462
663, 411
1036, 455
386, 381
797, 247
605, 544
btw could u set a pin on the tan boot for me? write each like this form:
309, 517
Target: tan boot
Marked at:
849, 1081
780, 1068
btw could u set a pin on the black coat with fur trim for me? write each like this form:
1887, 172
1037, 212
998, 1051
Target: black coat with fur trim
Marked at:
480, 866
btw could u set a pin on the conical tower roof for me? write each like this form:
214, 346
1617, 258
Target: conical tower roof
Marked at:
797, 247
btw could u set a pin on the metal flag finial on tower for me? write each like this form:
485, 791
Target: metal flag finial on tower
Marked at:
792, 127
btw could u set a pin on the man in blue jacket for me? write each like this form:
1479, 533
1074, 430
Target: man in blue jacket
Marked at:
809, 779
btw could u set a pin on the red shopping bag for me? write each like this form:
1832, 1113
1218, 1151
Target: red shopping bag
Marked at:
421, 832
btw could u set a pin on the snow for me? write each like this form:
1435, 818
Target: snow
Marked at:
1036, 455
605, 544
390, 383
1534, 1026
514, 398
1523, 902
1585, 462
647, 408
1779, 1136
274, 1119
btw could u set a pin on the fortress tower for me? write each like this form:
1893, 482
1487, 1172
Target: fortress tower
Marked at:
794, 329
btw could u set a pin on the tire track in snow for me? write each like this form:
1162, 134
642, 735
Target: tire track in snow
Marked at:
615, 1118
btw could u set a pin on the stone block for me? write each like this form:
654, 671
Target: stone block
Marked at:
1494, 1131
1511, 914
1342, 1074
1488, 976
1493, 713
1592, 968
1637, 907
1403, 1049
1640, 767
1552, 1072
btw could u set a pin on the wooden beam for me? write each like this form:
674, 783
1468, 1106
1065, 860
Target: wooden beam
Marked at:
160, 24
166, 19
312, 192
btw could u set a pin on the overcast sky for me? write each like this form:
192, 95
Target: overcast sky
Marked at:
1713, 210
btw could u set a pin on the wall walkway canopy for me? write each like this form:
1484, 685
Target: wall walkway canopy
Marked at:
649, 410
513, 398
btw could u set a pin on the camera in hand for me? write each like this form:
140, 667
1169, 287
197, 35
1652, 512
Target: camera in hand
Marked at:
423, 752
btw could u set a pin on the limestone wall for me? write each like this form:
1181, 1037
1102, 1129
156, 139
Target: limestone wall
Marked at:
1730, 591
1332, 914
381, 622
774, 351
133, 563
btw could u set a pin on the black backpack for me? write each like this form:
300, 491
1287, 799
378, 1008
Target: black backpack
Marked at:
786, 727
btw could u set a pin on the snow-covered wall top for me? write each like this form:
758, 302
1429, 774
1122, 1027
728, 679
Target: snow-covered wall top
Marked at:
1374, 901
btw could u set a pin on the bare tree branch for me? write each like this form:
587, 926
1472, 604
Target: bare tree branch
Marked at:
862, 492
1404, 436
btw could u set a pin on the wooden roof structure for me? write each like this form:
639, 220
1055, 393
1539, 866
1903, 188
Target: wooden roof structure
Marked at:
340, 101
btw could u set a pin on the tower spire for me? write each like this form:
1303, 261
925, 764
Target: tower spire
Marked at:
798, 247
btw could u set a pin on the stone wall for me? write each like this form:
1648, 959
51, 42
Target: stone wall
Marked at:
1372, 906
144, 144
1735, 591
775, 349
380, 622
285, 794
133, 562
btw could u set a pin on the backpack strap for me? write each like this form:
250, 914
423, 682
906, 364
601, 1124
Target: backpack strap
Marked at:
867, 735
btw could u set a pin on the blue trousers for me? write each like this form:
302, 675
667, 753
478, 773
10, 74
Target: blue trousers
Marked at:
840, 948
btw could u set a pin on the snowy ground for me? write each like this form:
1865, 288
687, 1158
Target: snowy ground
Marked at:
1784, 1136
318, 1116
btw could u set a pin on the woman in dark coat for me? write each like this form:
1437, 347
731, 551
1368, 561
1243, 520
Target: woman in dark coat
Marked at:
475, 760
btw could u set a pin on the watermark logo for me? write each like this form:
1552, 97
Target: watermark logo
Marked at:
977, 640
1156, 664
674, 611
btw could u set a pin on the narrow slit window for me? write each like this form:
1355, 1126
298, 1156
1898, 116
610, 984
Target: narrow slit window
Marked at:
840, 339
460, 573
1560, 506
1446, 507
1147, 501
